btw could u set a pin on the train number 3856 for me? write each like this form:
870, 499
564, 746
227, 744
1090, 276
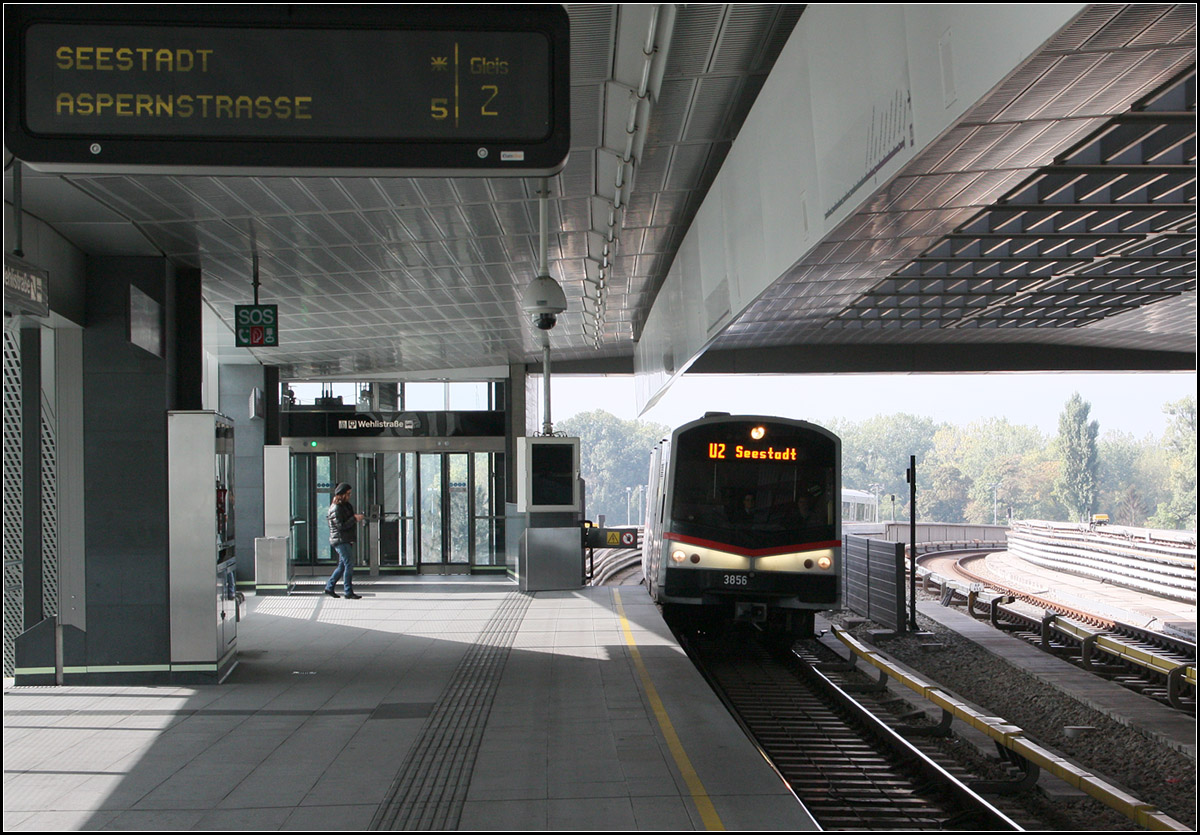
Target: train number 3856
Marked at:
736, 580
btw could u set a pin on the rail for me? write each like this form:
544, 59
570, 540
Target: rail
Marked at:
960, 545
609, 562
1179, 674
847, 767
602, 563
1012, 739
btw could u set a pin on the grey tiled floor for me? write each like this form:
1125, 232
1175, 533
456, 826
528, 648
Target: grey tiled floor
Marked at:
331, 697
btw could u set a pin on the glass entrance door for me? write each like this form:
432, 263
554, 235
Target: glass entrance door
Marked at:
432, 527
314, 477
445, 511
445, 531
438, 512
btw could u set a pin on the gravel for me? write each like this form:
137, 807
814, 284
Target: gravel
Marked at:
1143, 767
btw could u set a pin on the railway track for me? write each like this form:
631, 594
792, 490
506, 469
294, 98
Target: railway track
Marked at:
847, 766
1154, 664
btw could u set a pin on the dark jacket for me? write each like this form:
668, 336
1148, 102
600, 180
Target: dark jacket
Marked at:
342, 524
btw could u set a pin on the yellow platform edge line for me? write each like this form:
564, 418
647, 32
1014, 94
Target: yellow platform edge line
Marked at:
704, 804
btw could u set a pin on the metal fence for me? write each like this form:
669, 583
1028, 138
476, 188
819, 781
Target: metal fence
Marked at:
875, 576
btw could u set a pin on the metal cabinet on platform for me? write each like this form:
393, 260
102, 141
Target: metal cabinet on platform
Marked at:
202, 557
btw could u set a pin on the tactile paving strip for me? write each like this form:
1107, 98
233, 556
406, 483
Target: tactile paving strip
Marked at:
429, 791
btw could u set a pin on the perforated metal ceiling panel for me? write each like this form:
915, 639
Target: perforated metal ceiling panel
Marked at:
1060, 205
1060, 209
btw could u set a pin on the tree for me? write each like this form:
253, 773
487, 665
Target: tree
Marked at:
1179, 441
1133, 477
1001, 466
943, 495
1075, 486
614, 463
875, 453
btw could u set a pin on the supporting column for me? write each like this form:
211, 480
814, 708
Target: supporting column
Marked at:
127, 391
249, 436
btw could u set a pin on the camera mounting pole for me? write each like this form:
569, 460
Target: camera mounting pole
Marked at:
544, 269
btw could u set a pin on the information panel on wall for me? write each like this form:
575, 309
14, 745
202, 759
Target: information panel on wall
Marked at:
324, 89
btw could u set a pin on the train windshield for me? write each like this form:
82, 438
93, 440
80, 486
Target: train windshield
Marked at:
755, 485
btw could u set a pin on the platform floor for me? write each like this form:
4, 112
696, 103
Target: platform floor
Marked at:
440, 703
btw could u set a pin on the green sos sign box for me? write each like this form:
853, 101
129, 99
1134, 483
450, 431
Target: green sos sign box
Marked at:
256, 325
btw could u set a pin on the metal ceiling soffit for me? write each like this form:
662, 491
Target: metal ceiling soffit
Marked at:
1109, 227
642, 42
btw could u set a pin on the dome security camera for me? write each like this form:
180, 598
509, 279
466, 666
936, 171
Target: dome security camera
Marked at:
543, 300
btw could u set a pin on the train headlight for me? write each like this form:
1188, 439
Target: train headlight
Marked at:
678, 556
758, 432
824, 562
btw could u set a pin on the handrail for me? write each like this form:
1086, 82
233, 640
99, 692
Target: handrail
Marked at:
1012, 738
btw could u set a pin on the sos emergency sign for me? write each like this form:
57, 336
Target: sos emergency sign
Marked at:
256, 325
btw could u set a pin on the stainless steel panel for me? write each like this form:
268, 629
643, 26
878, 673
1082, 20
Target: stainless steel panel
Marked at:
551, 559
277, 491
197, 630
272, 563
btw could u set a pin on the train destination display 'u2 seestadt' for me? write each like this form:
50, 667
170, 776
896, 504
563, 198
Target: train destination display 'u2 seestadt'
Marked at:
743, 520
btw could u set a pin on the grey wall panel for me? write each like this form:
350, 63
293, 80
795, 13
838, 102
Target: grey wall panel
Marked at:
31, 472
67, 265
71, 478
14, 605
126, 392
128, 634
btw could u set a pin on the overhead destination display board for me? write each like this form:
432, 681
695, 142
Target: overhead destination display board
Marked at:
432, 90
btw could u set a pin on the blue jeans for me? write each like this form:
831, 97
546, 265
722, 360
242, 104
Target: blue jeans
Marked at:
345, 568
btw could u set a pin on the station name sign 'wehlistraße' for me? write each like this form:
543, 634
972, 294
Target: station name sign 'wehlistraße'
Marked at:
421, 90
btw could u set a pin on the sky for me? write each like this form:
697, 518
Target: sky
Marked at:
1127, 402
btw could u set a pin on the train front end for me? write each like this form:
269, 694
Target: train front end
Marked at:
751, 520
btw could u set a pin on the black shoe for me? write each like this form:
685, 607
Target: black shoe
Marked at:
352, 596
332, 593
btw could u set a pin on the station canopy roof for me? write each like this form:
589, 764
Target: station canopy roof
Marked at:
1052, 226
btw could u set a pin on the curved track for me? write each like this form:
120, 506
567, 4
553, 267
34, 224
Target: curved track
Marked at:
1153, 663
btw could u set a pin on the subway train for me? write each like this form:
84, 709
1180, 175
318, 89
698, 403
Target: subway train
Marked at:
743, 521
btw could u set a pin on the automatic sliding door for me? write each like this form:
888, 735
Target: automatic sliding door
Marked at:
439, 508
442, 511
487, 477
408, 508
301, 510
312, 493
326, 481
457, 508
430, 507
